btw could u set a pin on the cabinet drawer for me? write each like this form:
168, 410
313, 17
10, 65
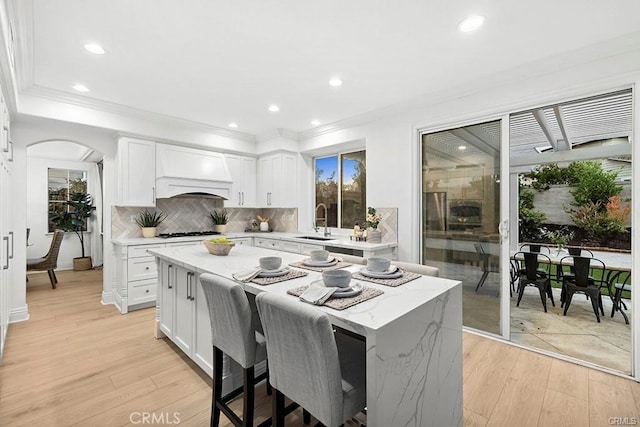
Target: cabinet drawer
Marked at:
246, 241
290, 247
141, 268
141, 251
142, 291
266, 243
187, 243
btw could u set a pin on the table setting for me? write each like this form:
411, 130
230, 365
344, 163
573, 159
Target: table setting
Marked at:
269, 271
335, 289
319, 260
379, 270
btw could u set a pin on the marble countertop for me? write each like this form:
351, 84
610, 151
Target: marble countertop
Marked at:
362, 318
337, 240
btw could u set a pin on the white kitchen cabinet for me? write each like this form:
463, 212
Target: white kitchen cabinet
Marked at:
136, 277
184, 288
166, 297
277, 183
280, 245
136, 172
245, 241
7, 244
244, 176
202, 345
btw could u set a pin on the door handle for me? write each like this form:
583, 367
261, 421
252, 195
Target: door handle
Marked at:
503, 229
6, 239
169, 276
11, 234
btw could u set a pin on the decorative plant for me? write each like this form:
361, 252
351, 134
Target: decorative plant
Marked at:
373, 218
150, 219
219, 216
79, 209
560, 237
263, 218
529, 219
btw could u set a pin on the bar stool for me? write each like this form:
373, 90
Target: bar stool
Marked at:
323, 372
234, 332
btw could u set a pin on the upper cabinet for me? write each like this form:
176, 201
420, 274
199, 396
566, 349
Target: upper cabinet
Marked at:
136, 172
277, 178
243, 175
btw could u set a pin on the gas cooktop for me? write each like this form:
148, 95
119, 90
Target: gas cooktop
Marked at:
186, 233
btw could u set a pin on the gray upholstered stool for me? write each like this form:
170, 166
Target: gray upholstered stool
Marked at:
323, 372
234, 333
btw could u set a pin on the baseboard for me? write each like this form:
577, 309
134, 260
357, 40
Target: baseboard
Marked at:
107, 298
19, 314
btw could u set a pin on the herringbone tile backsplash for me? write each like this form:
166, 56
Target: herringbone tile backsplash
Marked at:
192, 214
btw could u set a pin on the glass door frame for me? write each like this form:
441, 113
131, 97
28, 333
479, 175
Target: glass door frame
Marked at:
504, 305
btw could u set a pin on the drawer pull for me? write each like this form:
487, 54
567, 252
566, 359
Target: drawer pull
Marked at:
147, 291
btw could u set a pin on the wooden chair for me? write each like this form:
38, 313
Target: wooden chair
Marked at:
49, 262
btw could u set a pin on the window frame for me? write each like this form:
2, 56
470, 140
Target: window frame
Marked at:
339, 180
85, 178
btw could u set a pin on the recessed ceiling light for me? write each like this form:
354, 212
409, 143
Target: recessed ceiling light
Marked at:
94, 48
335, 81
462, 147
273, 108
471, 23
315, 122
233, 125
80, 87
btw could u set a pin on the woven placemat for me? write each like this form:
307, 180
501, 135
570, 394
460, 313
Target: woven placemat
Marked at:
342, 303
339, 264
292, 274
407, 276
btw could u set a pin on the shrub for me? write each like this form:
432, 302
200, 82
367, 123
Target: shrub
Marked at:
530, 220
592, 184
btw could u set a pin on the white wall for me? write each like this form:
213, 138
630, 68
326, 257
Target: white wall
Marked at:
26, 131
37, 212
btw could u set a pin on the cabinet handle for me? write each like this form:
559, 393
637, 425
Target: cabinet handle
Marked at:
169, 276
147, 291
153, 191
188, 286
243, 198
6, 239
239, 199
11, 234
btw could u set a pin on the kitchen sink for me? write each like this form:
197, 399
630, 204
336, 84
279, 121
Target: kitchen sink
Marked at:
315, 238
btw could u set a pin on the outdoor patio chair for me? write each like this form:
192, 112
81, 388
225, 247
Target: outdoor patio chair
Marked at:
533, 276
585, 280
620, 281
49, 262
579, 251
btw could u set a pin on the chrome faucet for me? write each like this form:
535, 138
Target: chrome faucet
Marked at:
326, 231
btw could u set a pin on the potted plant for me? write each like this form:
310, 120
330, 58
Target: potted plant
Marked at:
371, 224
219, 219
79, 209
149, 221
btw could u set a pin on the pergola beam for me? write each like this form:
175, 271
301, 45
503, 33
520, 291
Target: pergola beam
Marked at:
546, 129
557, 110
472, 139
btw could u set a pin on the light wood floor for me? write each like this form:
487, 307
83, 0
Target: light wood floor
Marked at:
77, 362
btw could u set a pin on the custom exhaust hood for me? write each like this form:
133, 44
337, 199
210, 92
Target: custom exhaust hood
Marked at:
187, 172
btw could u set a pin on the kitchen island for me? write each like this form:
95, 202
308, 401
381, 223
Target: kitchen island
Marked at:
413, 332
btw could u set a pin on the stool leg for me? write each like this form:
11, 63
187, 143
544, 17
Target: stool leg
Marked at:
249, 393
217, 387
306, 417
277, 408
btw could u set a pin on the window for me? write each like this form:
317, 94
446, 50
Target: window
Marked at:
341, 182
63, 183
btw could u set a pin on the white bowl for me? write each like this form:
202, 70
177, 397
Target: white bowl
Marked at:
270, 262
378, 264
339, 278
319, 255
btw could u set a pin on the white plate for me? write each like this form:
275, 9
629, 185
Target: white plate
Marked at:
352, 290
381, 274
327, 263
274, 273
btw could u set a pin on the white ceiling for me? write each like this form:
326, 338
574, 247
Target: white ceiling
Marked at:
216, 62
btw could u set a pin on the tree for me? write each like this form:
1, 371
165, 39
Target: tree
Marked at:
79, 209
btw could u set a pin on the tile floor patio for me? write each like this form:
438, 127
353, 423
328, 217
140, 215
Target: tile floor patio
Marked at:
577, 334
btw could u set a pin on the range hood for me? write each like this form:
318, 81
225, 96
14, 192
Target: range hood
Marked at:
182, 171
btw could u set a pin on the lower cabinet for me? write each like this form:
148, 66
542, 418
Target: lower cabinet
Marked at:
183, 317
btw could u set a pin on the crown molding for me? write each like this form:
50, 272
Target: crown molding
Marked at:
123, 110
277, 133
23, 14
